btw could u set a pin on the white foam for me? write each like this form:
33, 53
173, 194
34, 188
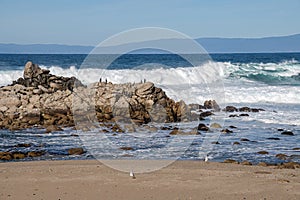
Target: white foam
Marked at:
253, 92
191, 84
163, 76
56, 70
7, 77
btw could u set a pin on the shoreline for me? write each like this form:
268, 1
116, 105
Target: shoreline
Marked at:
225, 161
91, 179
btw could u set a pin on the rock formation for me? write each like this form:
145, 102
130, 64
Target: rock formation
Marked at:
43, 99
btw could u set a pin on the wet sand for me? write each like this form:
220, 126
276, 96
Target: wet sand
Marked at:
90, 179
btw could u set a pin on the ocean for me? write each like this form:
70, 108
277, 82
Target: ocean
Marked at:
270, 81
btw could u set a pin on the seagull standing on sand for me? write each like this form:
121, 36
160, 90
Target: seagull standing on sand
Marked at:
131, 174
206, 158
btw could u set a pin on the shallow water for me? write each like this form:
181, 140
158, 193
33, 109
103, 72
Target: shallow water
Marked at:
159, 145
268, 81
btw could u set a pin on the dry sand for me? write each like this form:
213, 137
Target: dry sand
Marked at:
181, 180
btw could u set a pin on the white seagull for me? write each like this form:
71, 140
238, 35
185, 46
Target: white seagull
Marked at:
132, 174
206, 158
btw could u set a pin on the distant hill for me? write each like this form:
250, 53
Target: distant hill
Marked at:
212, 45
251, 45
44, 49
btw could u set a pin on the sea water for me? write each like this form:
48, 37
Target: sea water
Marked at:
267, 81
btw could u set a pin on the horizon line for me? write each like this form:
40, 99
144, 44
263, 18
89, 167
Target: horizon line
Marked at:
82, 45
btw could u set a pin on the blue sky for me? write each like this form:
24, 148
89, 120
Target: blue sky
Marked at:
88, 22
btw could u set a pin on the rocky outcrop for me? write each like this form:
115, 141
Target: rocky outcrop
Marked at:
42, 99
211, 104
129, 104
43, 81
39, 98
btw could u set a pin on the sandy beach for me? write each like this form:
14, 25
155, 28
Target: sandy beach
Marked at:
90, 179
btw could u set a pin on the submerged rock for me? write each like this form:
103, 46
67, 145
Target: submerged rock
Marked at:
211, 104
230, 109
245, 109
273, 138
202, 127
205, 114
244, 140
287, 133
126, 148
23, 145
35, 153
225, 131
215, 142
263, 152
215, 125
18, 155
242, 109
281, 156
76, 151
6, 156
181, 132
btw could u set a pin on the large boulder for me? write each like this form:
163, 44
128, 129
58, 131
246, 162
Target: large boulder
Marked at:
211, 104
33, 70
76, 151
145, 89
45, 82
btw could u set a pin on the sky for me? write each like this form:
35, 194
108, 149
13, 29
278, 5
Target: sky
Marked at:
88, 22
